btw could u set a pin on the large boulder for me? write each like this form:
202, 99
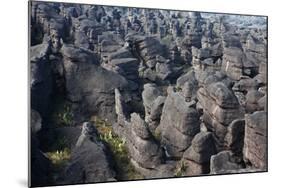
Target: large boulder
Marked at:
149, 47
89, 84
153, 119
36, 122
41, 78
164, 71
198, 155
201, 149
235, 136
81, 40
245, 84
232, 63
121, 53
188, 85
179, 124
220, 108
143, 149
127, 67
40, 164
89, 161
223, 163
252, 101
261, 78
255, 141
149, 94
220, 102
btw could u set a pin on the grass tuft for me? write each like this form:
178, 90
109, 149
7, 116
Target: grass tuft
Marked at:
180, 170
59, 157
62, 114
125, 170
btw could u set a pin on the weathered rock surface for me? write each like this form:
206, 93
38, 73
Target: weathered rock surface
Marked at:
188, 85
153, 119
223, 163
232, 64
178, 87
255, 141
142, 148
202, 148
40, 164
149, 94
41, 78
252, 101
198, 155
235, 136
179, 124
82, 168
220, 108
82, 87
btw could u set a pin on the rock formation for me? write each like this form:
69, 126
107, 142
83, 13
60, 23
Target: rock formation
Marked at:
81, 168
123, 93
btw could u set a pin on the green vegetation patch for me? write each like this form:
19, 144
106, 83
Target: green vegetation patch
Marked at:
59, 157
62, 113
157, 135
181, 169
178, 89
125, 170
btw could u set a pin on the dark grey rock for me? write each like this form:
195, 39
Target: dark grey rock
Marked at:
41, 79
245, 85
142, 148
188, 77
121, 53
235, 136
82, 168
255, 141
201, 149
139, 126
252, 99
40, 164
91, 85
156, 108
36, 121
179, 123
149, 94
223, 163
81, 40
232, 63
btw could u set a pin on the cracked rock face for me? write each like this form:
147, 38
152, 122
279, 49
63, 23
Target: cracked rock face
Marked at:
198, 155
142, 148
220, 108
223, 163
179, 123
255, 140
81, 73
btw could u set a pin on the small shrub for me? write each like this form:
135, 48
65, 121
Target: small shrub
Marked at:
59, 144
178, 89
180, 170
157, 135
66, 117
59, 157
117, 146
62, 114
